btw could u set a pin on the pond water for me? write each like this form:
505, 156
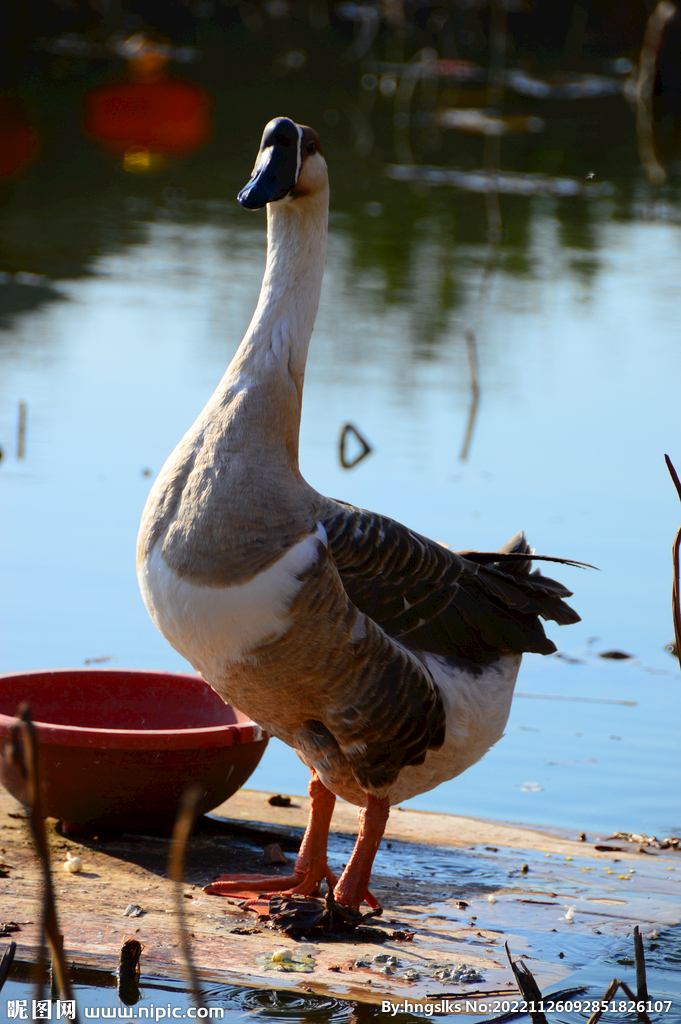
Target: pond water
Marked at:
146, 286
594, 964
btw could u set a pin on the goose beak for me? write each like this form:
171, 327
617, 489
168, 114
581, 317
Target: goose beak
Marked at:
277, 166
267, 182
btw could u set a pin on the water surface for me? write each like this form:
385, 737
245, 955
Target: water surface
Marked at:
147, 287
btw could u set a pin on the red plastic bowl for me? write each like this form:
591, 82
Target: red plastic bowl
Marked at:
119, 746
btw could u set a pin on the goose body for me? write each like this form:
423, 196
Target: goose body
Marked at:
387, 661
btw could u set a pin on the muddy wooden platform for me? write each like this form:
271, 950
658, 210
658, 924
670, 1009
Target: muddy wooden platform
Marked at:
461, 886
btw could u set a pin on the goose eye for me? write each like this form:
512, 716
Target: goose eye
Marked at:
311, 148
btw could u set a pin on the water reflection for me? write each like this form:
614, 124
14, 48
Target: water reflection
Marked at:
597, 140
150, 116
95, 992
44, 243
592, 961
18, 137
122, 299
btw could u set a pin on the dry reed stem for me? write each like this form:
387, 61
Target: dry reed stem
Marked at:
527, 987
49, 926
6, 962
676, 610
641, 1014
554, 997
184, 824
645, 90
607, 996
350, 428
639, 956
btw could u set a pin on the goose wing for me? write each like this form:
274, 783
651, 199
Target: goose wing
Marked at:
468, 604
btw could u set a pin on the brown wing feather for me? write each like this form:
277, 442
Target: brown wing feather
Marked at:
457, 604
380, 712
358, 705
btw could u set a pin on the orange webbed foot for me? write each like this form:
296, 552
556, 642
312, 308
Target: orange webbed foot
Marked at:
300, 883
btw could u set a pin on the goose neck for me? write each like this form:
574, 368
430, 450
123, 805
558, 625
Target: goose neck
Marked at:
279, 333
258, 403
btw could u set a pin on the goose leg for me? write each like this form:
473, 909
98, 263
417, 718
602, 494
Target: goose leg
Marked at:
353, 884
310, 867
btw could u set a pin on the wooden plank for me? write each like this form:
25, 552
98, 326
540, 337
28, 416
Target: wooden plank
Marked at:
428, 867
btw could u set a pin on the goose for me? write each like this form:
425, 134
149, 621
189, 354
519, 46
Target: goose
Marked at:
386, 660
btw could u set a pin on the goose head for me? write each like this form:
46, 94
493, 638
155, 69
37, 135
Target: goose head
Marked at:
289, 166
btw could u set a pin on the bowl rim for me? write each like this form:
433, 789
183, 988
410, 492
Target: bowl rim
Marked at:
56, 734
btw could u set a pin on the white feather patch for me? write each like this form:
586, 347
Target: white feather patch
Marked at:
477, 709
215, 626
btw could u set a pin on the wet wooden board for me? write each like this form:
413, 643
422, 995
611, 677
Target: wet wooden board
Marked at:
517, 884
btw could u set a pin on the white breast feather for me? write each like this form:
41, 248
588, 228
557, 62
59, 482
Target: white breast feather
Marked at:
215, 626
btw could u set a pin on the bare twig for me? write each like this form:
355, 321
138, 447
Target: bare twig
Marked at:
641, 1014
641, 983
551, 997
527, 987
350, 428
607, 996
54, 969
676, 609
178, 846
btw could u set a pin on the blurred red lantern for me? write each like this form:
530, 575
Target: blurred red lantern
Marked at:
18, 137
150, 115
